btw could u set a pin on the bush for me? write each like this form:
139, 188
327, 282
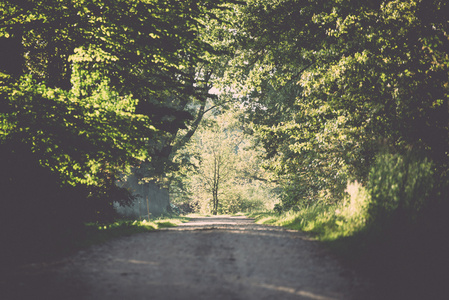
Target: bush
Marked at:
39, 213
400, 186
326, 221
246, 197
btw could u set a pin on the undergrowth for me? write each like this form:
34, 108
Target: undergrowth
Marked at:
99, 233
405, 260
325, 222
87, 235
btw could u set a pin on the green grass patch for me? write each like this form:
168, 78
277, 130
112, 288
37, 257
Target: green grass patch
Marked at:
95, 233
100, 233
323, 221
404, 260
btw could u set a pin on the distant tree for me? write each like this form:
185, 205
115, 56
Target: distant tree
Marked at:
216, 147
221, 169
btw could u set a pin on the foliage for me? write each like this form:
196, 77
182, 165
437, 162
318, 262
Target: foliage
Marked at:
400, 186
88, 90
221, 170
330, 84
247, 196
356, 90
112, 74
326, 222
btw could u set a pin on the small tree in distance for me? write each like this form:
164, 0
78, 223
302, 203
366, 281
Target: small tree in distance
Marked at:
216, 148
220, 170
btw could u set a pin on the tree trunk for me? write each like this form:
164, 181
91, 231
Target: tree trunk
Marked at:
216, 182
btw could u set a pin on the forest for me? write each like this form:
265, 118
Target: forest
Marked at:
329, 116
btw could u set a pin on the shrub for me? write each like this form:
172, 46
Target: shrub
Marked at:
399, 185
327, 221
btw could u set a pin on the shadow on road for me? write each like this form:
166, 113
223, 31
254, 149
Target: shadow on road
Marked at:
220, 257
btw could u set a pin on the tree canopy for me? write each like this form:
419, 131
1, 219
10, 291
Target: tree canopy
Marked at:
99, 82
88, 90
333, 84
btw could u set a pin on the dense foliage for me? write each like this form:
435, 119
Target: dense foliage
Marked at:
356, 90
335, 84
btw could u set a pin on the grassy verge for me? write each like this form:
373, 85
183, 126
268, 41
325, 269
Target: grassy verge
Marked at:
197, 215
99, 233
67, 240
79, 238
325, 222
403, 262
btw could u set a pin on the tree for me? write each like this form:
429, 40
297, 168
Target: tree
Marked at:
343, 81
89, 89
116, 74
221, 167
216, 158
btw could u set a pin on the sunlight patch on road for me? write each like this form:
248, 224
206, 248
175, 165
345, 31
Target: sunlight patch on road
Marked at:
137, 262
239, 228
293, 291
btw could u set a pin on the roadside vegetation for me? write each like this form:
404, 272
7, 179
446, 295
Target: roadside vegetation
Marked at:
323, 221
403, 252
93, 233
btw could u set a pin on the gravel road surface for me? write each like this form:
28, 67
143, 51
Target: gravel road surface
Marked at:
206, 258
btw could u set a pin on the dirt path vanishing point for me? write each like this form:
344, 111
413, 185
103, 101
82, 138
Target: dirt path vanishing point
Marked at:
206, 258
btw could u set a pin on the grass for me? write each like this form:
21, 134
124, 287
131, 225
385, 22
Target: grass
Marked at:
341, 227
64, 241
197, 215
94, 233
100, 233
405, 262
324, 222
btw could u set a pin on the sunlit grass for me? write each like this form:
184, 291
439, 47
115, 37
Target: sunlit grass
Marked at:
100, 233
164, 222
325, 222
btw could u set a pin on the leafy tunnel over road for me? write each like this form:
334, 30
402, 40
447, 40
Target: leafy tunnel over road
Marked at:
206, 258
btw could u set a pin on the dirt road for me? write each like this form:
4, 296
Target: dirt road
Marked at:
207, 258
